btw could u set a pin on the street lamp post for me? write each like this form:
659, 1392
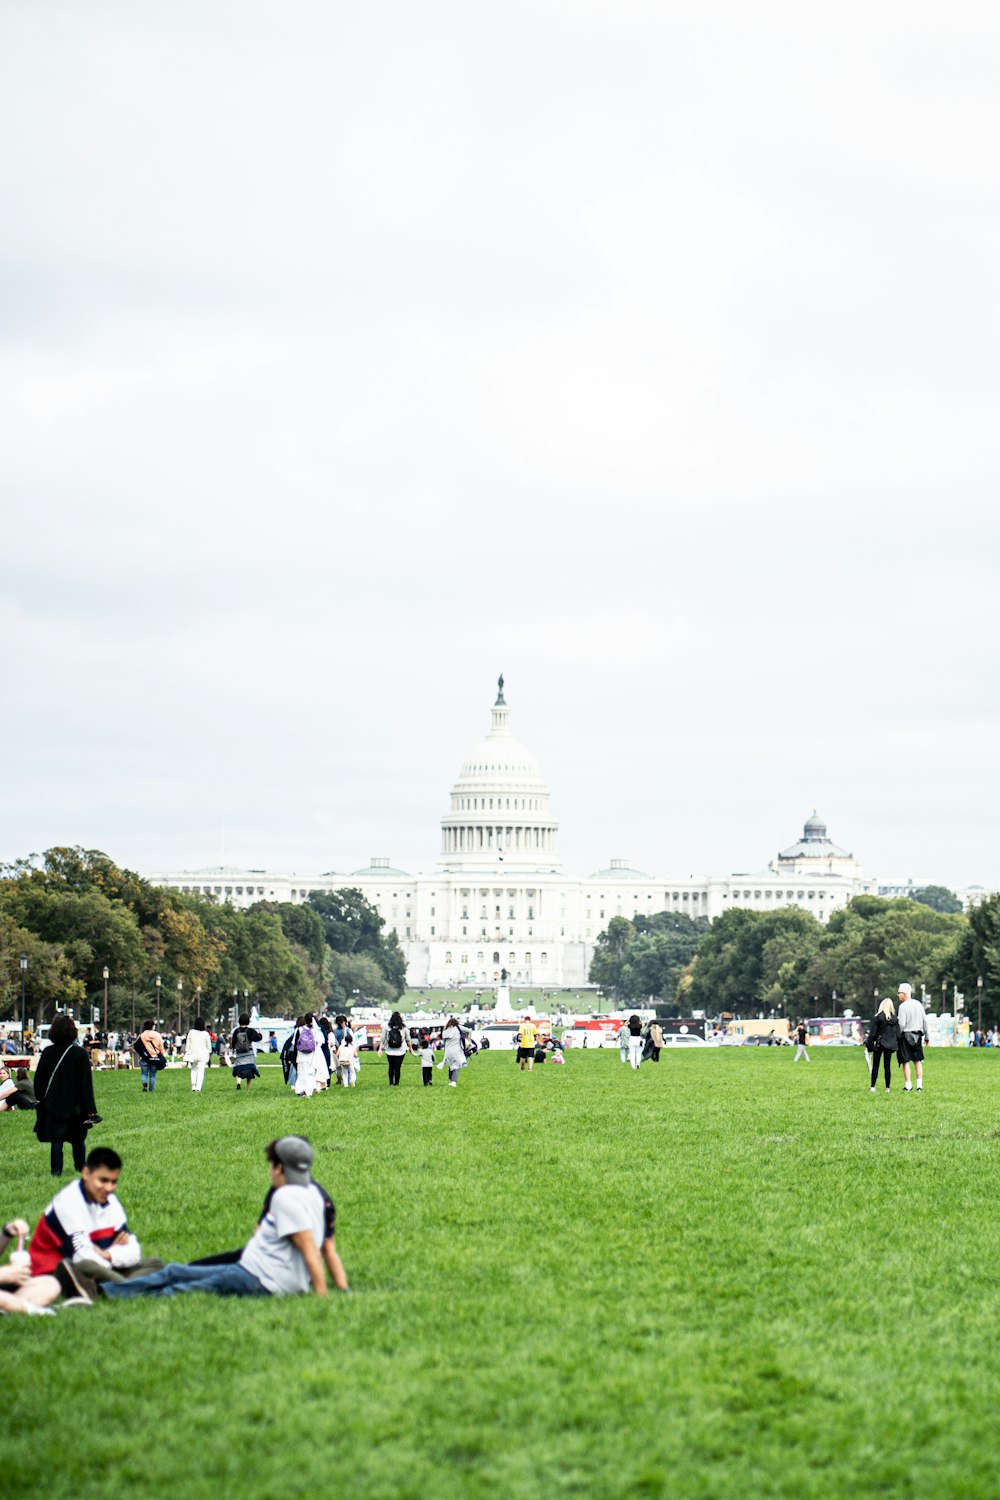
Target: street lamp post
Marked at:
180, 993
158, 983
197, 1000
246, 1001
107, 975
979, 991
24, 1013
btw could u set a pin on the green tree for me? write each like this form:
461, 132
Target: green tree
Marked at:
659, 954
357, 977
978, 955
872, 945
727, 971
49, 981
608, 962
938, 898
351, 925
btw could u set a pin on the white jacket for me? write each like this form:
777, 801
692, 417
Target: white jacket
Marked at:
197, 1047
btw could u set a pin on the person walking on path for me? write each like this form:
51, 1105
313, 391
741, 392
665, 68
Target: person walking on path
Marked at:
913, 1035
527, 1032
654, 1040
243, 1045
64, 1088
622, 1040
149, 1047
801, 1043
427, 1061
306, 1048
197, 1051
635, 1042
396, 1044
882, 1041
454, 1051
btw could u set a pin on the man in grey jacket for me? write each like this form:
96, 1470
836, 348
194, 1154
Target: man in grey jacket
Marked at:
913, 1033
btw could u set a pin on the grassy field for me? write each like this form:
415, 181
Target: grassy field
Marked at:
725, 1276
538, 1002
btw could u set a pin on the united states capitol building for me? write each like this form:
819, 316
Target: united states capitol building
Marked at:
498, 897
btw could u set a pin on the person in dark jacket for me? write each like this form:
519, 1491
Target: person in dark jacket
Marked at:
882, 1041
64, 1088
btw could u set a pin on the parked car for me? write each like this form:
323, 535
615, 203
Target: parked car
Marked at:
685, 1041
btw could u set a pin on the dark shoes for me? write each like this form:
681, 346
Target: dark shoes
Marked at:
76, 1285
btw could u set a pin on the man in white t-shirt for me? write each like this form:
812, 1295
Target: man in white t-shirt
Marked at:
913, 1034
289, 1252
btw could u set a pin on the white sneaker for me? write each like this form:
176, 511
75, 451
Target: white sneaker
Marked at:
452, 1084
907, 1088
872, 1089
920, 1088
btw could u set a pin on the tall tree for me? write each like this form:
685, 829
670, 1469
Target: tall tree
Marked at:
608, 962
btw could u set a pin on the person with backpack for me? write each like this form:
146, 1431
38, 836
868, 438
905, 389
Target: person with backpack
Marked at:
396, 1044
244, 1052
882, 1041
152, 1056
307, 1044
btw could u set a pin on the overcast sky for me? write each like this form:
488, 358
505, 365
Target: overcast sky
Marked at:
644, 352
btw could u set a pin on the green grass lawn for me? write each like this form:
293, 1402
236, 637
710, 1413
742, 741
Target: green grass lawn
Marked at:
725, 1276
539, 1002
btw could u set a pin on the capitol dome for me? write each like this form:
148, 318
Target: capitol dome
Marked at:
499, 814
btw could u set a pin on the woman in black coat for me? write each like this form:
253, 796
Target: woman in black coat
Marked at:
882, 1041
64, 1088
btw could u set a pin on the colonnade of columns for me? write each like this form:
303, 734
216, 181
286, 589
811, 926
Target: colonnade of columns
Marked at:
466, 838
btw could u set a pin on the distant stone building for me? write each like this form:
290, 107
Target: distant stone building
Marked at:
498, 898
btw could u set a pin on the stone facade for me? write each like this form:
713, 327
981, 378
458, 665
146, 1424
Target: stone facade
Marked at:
499, 898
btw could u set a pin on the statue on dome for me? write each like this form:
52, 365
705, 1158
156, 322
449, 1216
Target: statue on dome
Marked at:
500, 698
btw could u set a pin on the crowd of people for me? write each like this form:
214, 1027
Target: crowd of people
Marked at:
319, 1053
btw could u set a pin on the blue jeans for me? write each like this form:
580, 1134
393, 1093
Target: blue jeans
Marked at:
148, 1073
223, 1281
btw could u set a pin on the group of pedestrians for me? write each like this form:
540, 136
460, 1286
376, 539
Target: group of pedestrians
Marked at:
901, 1034
638, 1042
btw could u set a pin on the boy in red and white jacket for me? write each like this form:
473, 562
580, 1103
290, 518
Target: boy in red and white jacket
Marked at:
85, 1223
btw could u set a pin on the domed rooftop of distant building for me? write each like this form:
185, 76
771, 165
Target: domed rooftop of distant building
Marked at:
381, 866
620, 869
814, 843
502, 758
499, 813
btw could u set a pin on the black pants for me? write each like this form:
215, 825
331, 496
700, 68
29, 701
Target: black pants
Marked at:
76, 1136
395, 1068
880, 1054
428, 1076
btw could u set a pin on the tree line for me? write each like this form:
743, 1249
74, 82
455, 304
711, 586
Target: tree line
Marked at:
787, 961
73, 912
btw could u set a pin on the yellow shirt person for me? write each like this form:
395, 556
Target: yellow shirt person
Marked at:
526, 1043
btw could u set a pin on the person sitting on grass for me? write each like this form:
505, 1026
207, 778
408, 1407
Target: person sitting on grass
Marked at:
284, 1257
86, 1223
20, 1292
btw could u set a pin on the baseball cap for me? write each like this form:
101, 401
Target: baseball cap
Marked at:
296, 1156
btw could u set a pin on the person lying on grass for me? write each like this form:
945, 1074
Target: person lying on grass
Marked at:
86, 1223
289, 1251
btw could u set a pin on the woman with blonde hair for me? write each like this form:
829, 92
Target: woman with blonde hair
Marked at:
882, 1041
